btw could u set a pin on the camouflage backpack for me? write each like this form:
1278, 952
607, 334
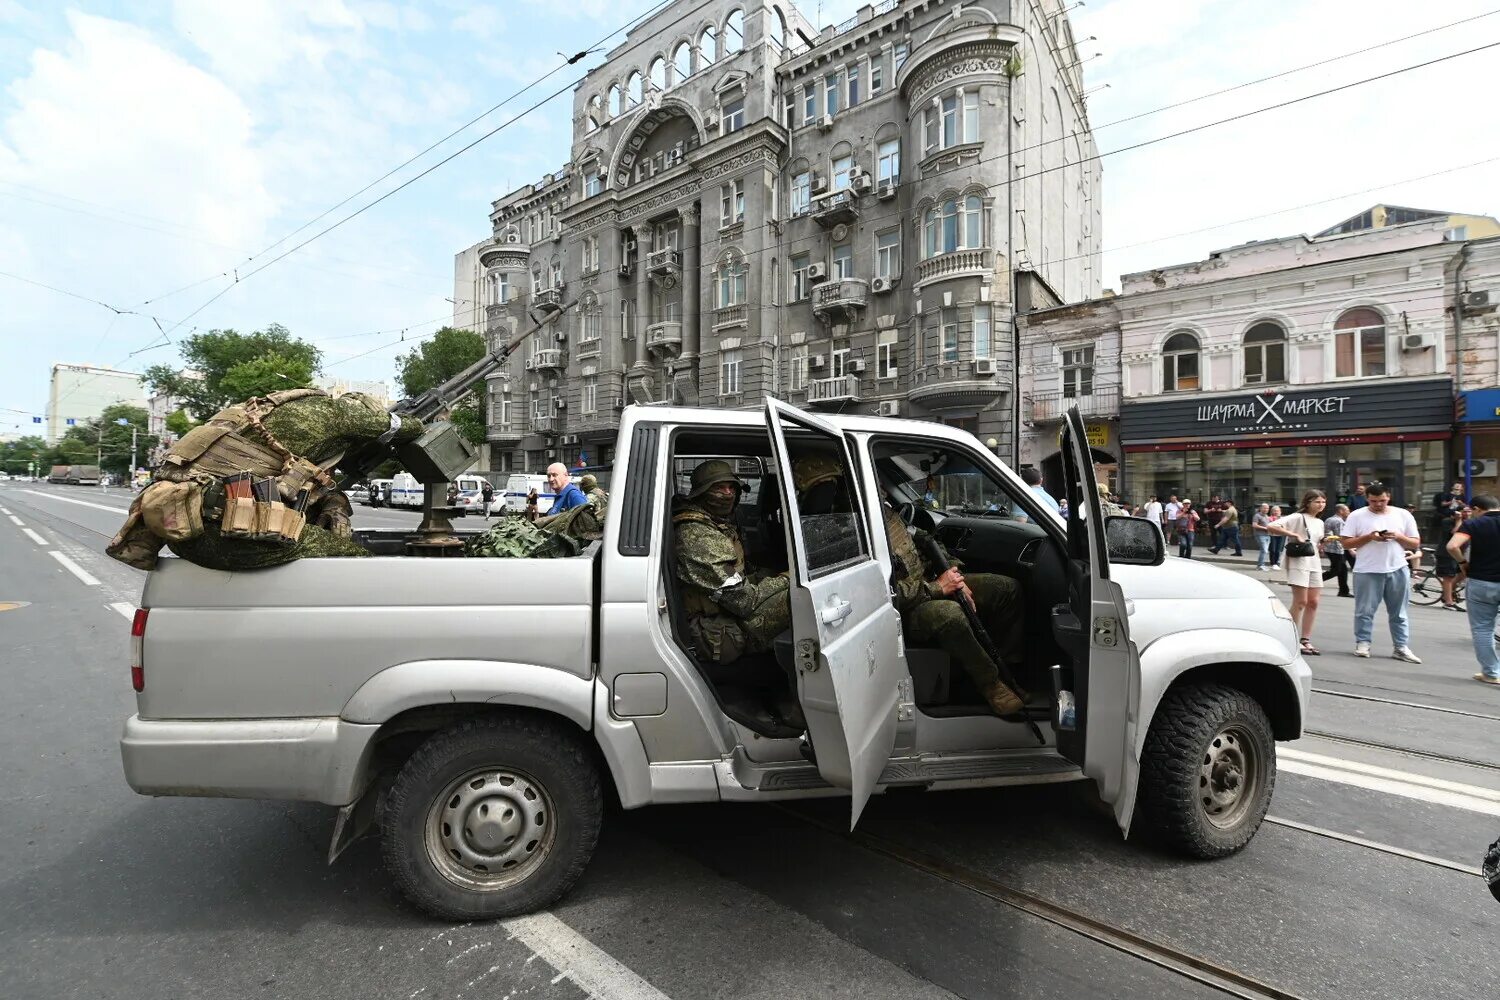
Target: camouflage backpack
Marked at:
518, 538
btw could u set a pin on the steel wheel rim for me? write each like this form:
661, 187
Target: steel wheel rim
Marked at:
490, 829
1229, 777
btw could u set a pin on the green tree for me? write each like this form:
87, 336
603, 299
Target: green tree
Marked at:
179, 423
434, 361
232, 366
16, 456
105, 441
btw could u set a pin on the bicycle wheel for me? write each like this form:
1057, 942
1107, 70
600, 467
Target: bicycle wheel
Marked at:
1425, 588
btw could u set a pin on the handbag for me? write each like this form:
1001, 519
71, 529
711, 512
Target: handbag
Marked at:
1301, 547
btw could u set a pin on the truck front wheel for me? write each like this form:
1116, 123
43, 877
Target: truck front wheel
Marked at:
492, 818
1208, 771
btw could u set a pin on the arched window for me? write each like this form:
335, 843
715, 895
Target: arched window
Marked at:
776, 28
1265, 354
595, 113
659, 73
729, 280
682, 62
973, 214
593, 319
633, 89
949, 234
930, 233
1359, 344
614, 100
734, 32
1179, 363
708, 47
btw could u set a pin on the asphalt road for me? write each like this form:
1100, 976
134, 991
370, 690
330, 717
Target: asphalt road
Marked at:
1362, 887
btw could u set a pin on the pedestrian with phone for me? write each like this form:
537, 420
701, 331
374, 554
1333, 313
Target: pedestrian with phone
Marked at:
1382, 535
1480, 534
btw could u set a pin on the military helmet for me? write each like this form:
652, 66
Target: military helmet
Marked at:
588, 483
711, 473
810, 470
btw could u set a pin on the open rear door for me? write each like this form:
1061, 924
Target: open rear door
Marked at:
846, 630
1103, 683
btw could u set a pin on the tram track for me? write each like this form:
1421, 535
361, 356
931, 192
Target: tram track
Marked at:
1440, 758
1406, 704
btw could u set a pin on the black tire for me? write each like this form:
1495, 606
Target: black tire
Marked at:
1199, 730
553, 793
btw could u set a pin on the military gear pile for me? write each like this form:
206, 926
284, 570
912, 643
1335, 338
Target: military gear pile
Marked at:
558, 536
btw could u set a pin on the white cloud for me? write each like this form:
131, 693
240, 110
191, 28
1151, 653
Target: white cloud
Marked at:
252, 42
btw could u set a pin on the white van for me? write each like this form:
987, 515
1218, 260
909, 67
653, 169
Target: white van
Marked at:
522, 483
406, 491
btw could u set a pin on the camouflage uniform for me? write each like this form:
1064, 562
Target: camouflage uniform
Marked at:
729, 612
929, 617
1110, 508
561, 535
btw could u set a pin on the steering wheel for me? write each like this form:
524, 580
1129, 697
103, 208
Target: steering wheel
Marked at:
907, 512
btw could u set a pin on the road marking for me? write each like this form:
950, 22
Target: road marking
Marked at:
81, 503
125, 609
34, 536
1375, 845
16, 521
74, 568
4, 510
590, 968
1439, 791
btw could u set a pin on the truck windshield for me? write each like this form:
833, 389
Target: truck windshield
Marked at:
939, 479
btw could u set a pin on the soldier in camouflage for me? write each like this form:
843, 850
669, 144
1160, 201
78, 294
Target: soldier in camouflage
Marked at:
731, 610
926, 617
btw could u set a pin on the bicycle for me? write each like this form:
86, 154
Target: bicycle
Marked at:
1427, 586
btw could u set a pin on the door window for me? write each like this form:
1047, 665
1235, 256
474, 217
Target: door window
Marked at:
828, 517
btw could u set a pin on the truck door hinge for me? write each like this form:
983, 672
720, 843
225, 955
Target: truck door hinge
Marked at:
807, 656
1106, 631
906, 705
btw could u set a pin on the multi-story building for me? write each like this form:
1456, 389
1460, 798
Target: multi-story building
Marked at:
753, 207
1280, 365
80, 393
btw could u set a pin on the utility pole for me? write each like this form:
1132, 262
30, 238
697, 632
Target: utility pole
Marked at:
131, 474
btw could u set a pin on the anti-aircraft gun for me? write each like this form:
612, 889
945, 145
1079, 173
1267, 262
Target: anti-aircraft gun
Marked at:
437, 457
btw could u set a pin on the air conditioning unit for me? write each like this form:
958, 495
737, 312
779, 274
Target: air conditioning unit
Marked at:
880, 285
630, 246
888, 408
1417, 341
887, 190
1478, 301
1479, 468
551, 452
817, 272
570, 439
619, 402
819, 183
856, 367
625, 269
533, 387
512, 237
711, 119
816, 361
984, 366
562, 336
559, 403
859, 182
825, 123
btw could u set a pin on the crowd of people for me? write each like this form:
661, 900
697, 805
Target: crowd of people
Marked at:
1372, 546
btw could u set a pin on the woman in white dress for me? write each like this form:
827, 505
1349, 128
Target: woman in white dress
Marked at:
1305, 572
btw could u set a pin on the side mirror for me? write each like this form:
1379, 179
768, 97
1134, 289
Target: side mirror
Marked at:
1134, 541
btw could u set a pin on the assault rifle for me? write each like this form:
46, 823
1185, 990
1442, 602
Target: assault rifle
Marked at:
437, 457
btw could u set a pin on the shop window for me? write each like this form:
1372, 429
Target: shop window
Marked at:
1265, 354
1077, 372
1359, 344
1179, 363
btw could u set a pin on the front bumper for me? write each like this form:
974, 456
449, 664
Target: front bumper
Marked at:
308, 760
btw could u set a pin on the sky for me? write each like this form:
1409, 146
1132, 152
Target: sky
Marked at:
150, 154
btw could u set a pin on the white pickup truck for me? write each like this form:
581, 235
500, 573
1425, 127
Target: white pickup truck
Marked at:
479, 710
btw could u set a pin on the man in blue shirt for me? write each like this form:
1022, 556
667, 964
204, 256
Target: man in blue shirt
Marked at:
1033, 478
568, 493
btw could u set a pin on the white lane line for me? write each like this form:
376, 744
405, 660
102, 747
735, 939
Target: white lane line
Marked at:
34, 536
591, 969
128, 610
4, 510
16, 521
74, 568
1472, 798
81, 503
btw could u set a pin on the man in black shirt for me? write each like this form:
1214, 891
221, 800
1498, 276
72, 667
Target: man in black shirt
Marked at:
1481, 535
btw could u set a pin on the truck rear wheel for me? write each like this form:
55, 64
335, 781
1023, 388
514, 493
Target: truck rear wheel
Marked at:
1208, 771
492, 818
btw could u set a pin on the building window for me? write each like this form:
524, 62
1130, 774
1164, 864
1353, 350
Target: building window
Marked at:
633, 89
541, 406
948, 319
729, 281
983, 339
885, 355
734, 32
708, 47
1265, 354
831, 94
590, 253
557, 274
659, 74
593, 322
809, 103
801, 192
682, 62
729, 372
497, 288
614, 100
588, 400
888, 162
733, 115
500, 410
593, 184
842, 262
664, 235
625, 320
954, 226
797, 369
1179, 363
950, 120
789, 110
898, 55
929, 130
801, 286
877, 74
1359, 344
853, 78
536, 280
731, 203
1077, 372
973, 216
843, 169
888, 253
838, 362
971, 116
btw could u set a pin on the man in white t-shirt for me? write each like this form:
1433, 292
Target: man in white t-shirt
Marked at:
1169, 516
1382, 535
1153, 510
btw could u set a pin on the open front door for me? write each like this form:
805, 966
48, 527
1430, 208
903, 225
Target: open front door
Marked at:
845, 628
1103, 683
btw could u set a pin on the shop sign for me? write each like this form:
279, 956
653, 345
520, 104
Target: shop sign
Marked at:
1270, 412
1098, 435
1479, 406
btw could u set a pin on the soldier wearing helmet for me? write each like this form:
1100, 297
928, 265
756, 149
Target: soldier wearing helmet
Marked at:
731, 610
925, 616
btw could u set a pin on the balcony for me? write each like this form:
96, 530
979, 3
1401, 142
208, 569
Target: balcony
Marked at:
836, 209
664, 338
840, 389
503, 434
950, 385
549, 299
664, 264
550, 359
955, 264
840, 299
730, 316
1104, 401
545, 425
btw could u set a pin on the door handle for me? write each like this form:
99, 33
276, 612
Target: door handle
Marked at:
836, 611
